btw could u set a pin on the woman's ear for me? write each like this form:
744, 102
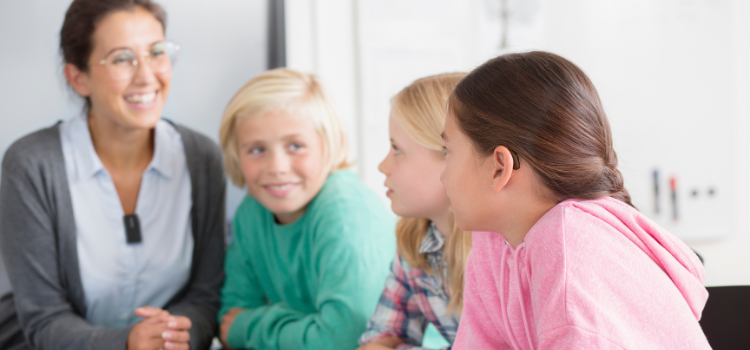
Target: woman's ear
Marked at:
78, 79
502, 167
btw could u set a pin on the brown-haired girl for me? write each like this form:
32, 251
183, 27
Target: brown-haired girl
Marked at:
112, 222
426, 280
566, 261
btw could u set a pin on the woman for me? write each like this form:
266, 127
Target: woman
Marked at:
112, 222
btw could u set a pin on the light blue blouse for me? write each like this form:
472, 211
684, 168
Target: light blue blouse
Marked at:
118, 277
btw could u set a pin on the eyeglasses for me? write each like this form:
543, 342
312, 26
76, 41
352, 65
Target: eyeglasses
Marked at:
122, 64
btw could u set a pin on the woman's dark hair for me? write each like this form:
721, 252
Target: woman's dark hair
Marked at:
81, 19
544, 108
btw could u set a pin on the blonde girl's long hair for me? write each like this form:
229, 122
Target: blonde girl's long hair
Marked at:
420, 109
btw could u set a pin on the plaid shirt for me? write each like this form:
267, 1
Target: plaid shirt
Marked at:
411, 298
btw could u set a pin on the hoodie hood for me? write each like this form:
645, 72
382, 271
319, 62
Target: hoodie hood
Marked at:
590, 274
673, 256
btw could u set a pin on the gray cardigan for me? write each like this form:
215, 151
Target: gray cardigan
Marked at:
38, 240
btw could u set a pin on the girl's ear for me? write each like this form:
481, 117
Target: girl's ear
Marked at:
502, 167
78, 79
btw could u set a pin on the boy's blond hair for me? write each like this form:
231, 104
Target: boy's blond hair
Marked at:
293, 92
420, 109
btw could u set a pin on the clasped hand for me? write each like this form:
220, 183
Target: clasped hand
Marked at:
159, 330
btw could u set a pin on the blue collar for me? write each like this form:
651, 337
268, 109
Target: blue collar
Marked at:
88, 164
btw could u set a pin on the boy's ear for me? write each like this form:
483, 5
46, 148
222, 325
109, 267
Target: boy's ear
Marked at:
77, 79
503, 167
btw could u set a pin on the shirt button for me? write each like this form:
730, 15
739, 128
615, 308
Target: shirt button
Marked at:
124, 316
131, 277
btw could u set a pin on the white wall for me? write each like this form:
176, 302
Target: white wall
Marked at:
727, 259
673, 76
321, 39
32, 88
222, 45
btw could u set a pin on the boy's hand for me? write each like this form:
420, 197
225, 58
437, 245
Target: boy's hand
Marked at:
373, 346
226, 324
383, 344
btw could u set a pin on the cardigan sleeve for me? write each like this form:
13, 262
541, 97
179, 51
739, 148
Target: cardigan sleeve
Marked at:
200, 299
29, 240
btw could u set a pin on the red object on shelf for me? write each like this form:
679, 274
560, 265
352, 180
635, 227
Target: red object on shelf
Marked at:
673, 190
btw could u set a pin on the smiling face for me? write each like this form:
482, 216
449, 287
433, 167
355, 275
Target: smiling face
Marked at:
468, 190
413, 176
281, 156
136, 103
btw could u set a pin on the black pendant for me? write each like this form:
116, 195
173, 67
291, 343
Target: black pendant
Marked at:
132, 229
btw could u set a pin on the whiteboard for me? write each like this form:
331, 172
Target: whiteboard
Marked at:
665, 74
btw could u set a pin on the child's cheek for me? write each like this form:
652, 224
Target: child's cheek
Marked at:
251, 171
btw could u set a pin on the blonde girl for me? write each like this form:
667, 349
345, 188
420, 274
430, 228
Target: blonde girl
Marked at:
426, 280
310, 242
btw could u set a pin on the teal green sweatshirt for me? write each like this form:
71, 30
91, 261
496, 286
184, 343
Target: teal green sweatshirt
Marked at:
314, 283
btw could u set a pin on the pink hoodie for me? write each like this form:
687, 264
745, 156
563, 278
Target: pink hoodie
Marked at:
590, 275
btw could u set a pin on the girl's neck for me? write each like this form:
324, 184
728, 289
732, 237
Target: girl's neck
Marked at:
121, 149
520, 217
442, 223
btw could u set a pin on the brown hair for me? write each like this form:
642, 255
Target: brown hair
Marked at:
544, 108
420, 109
81, 19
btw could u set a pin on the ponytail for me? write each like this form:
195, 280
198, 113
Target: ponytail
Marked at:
616, 186
546, 109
